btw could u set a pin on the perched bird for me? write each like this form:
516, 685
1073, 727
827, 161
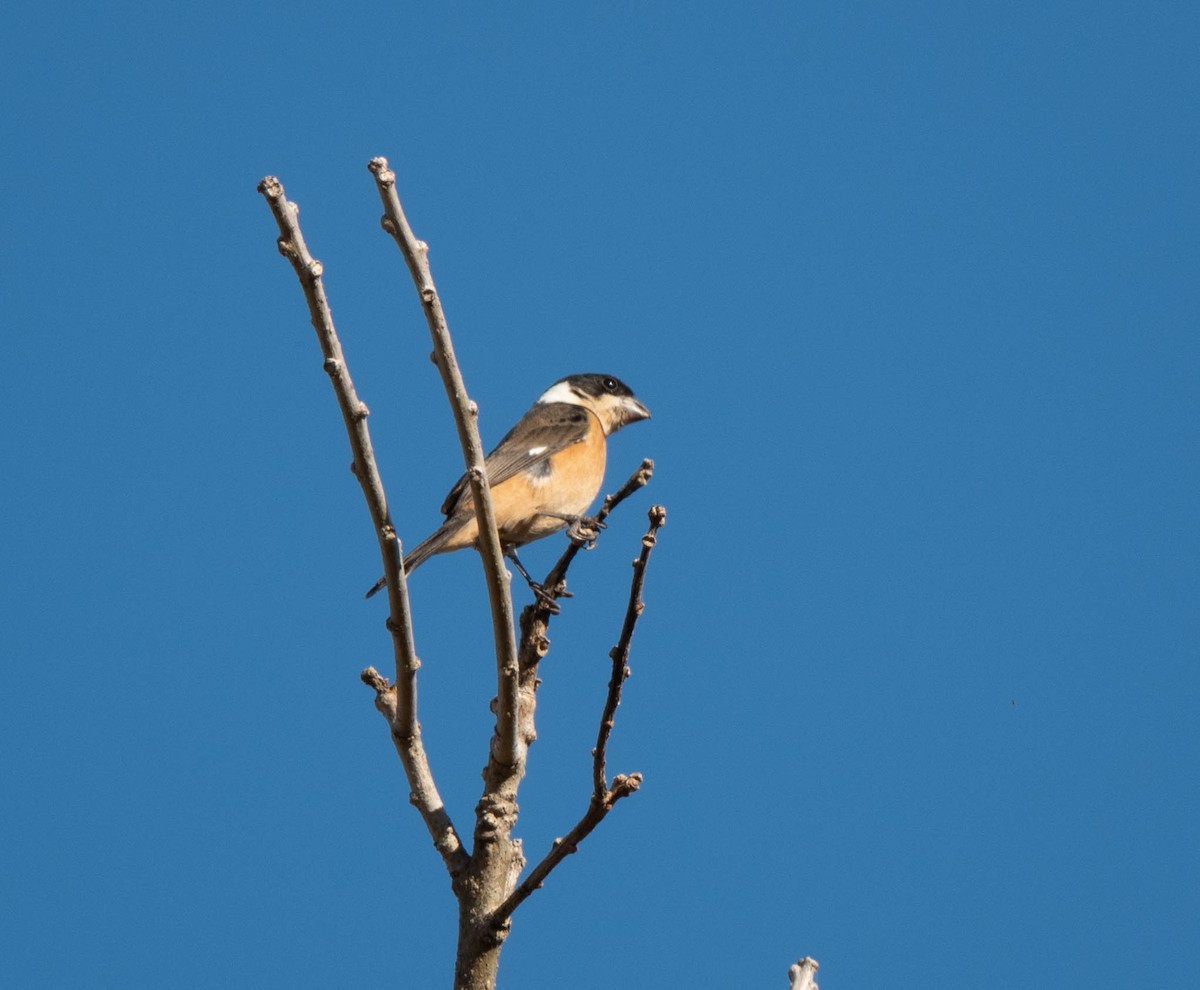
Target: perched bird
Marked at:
544, 473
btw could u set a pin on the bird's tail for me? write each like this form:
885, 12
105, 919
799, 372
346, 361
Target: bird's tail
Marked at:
421, 553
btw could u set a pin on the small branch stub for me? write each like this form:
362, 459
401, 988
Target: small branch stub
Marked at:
803, 974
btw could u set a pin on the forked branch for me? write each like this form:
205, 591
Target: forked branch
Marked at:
484, 882
604, 796
398, 702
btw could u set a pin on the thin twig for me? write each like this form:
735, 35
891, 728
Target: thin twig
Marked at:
604, 797
622, 786
620, 653
466, 414
398, 702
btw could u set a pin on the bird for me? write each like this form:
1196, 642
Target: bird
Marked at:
543, 474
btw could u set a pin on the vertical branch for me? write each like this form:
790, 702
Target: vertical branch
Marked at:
397, 702
496, 858
466, 414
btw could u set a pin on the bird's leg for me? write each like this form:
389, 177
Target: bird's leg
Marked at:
511, 554
581, 530
539, 591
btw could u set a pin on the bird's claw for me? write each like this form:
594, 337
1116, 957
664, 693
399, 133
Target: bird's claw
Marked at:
583, 531
546, 598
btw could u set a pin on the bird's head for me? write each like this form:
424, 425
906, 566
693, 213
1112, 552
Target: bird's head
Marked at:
612, 401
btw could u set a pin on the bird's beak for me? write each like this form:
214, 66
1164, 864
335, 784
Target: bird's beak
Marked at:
633, 410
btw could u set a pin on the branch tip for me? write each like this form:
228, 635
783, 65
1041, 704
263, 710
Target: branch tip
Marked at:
802, 975
623, 785
270, 187
378, 167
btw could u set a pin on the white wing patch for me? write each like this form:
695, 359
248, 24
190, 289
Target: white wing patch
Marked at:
540, 471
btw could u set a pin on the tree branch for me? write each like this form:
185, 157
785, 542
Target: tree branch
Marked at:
397, 702
486, 881
803, 974
620, 653
603, 797
508, 746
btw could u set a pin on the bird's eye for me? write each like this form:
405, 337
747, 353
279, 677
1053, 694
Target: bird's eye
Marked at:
610, 384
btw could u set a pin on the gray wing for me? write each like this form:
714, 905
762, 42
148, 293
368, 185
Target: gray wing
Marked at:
542, 432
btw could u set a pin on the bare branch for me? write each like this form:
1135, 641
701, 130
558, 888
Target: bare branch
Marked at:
485, 882
603, 797
400, 700
423, 794
509, 746
562, 848
803, 974
620, 652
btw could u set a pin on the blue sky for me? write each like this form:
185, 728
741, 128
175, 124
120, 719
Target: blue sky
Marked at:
912, 292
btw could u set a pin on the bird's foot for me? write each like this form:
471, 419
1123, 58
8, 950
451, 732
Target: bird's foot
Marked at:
583, 531
547, 599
